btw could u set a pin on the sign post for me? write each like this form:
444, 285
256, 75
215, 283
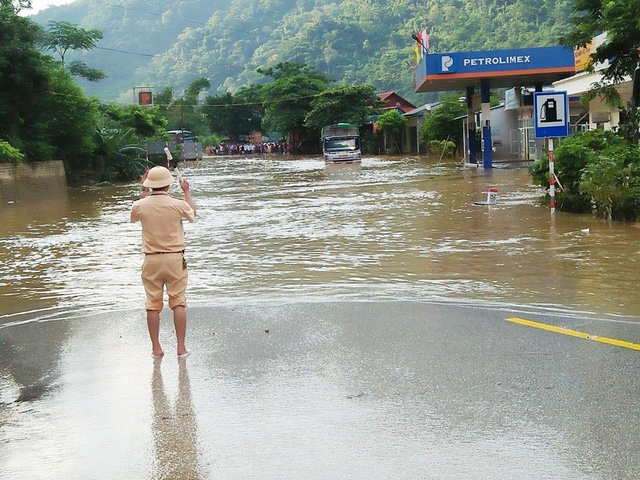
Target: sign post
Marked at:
552, 179
551, 120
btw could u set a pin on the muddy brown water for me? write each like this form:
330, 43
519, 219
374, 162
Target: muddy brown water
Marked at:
404, 228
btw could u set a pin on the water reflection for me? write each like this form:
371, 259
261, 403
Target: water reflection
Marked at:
29, 360
174, 429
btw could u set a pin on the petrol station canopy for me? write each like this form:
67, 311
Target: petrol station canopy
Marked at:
439, 72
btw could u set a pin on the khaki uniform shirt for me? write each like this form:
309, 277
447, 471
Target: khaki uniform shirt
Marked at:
161, 218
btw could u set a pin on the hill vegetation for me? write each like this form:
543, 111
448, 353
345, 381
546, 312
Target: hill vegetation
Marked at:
300, 65
173, 43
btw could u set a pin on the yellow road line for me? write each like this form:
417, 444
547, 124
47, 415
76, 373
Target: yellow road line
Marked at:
574, 333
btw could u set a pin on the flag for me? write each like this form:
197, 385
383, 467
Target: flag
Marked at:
425, 40
418, 47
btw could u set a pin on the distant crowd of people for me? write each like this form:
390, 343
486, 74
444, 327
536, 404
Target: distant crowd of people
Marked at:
266, 148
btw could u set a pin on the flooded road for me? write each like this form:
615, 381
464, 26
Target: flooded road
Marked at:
296, 229
347, 321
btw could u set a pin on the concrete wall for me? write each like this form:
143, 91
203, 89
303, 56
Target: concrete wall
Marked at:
603, 116
17, 182
503, 123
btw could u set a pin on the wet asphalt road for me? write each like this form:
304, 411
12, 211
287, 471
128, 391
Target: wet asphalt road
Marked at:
362, 390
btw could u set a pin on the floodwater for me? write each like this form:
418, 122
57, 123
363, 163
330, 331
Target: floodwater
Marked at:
347, 321
283, 229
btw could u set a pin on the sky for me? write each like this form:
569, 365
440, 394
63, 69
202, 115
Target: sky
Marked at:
42, 4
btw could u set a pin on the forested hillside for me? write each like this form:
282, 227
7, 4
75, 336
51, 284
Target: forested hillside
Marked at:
164, 43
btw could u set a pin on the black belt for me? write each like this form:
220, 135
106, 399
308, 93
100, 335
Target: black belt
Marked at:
163, 253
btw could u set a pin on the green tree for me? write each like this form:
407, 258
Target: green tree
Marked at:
60, 37
392, 125
47, 116
629, 126
118, 154
235, 115
612, 182
146, 122
346, 103
621, 49
195, 89
438, 123
249, 109
288, 98
70, 118
17, 5
183, 112
354, 41
24, 82
162, 100
120, 139
598, 171
620, 21
220, 113
78, 68
8, 154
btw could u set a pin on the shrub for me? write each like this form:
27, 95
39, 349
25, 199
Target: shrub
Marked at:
598, 172
9, 154
612, 182
442, 147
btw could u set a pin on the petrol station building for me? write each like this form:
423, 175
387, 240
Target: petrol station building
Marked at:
522, 72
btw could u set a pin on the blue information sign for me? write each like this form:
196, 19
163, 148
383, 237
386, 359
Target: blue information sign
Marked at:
530, 61
551, 114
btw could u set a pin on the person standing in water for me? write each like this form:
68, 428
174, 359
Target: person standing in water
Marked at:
164, 265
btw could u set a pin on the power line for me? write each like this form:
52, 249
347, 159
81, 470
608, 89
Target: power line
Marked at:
124, 51
219, 105
159, 55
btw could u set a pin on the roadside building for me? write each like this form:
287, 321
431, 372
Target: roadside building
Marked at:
392, 101
415, 118
597, 114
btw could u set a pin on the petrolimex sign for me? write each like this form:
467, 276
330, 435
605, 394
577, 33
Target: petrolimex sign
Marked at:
448, 64
470, 63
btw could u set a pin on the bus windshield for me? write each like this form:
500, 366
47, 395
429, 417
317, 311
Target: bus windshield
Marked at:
341, 144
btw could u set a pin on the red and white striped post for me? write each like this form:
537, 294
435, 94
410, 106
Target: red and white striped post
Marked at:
552, 179
492, 196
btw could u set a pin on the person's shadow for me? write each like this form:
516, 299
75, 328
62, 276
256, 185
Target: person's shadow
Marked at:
174, 430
